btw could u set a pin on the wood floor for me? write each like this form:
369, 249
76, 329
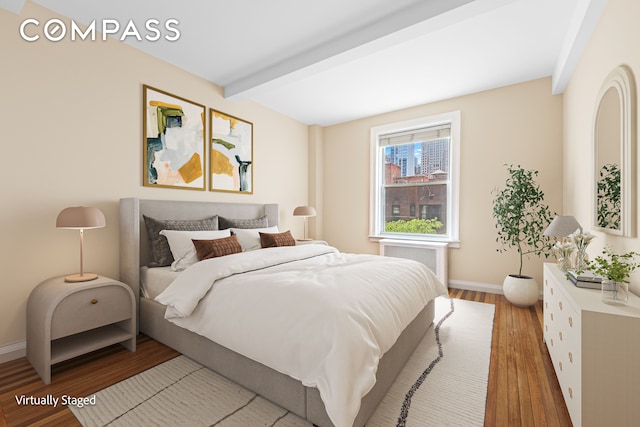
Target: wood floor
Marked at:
522, 391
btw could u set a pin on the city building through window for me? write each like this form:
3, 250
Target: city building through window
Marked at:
415, 178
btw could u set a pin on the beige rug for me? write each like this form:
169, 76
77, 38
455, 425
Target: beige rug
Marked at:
443, 384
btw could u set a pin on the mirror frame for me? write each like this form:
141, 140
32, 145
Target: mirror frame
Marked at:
621, 79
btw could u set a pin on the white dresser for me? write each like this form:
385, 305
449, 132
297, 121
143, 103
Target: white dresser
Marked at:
595, 350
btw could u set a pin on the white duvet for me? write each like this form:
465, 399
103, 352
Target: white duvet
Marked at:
322, 317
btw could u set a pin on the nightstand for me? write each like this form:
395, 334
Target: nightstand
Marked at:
65, 320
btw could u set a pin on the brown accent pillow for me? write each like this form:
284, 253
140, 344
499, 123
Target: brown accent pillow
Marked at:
272, 240
217, 247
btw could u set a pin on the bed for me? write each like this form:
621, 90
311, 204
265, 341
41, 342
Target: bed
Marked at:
282, 389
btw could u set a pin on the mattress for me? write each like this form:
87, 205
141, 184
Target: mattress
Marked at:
154, 280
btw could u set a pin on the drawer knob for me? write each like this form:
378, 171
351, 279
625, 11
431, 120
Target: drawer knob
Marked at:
570, 321
560, 364
560, 304
570, 357
551, 314
570, 393
546, 305
551, 342
551, 290
94, 301
560, 335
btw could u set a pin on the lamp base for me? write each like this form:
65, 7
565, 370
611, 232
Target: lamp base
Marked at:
75, 278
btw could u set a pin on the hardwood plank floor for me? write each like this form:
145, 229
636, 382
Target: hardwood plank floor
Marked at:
77, 377
522, 390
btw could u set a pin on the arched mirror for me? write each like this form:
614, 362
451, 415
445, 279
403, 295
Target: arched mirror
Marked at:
614, 142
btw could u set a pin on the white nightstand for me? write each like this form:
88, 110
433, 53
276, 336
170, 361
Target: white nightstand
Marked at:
65, 320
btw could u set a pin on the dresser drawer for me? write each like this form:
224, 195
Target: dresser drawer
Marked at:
90, 308
550, 310
571, 390
562, 336
566, 362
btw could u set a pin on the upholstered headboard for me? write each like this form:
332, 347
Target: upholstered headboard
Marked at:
134, 241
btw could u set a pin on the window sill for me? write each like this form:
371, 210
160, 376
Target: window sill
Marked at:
417, 241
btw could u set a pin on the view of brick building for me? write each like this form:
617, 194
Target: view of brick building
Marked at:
416, 181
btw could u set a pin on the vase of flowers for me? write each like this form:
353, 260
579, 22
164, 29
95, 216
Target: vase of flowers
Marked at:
615, 270
563, 251
581, 241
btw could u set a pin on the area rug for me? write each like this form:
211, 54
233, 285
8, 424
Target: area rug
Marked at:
444, 383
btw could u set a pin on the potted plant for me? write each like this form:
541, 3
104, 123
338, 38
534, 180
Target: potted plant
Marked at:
521, 218
615, 270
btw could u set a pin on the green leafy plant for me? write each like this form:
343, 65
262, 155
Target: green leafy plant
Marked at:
608, 198
613, 266
423, 226
521, 215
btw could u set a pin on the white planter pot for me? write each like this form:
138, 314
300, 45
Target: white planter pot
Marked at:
522, 291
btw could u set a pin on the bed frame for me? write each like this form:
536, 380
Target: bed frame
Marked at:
281, 389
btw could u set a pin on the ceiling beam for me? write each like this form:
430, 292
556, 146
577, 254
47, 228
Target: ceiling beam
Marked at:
14, 6
420, 19
585, 19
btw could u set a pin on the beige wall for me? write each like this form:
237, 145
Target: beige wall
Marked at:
520, 124
71, 135
615, 41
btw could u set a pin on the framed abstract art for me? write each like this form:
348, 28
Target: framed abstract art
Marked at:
174, 143
231, 153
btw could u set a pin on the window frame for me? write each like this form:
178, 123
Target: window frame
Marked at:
377, 165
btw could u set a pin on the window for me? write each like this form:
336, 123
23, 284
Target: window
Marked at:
415, 179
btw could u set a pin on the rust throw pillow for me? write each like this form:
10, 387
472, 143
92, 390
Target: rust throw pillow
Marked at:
217, 247
272, 240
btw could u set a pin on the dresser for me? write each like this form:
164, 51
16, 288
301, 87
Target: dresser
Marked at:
65, 320
595, 350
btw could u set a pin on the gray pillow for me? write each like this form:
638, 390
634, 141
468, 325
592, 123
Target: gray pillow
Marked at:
225, 223
160, 251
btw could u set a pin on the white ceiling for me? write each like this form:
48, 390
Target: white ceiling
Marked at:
329, 61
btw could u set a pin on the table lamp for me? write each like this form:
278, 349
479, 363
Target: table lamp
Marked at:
80, 218
304, 211
562, 226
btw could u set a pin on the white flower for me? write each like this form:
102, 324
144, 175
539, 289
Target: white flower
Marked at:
563, 249
581, 240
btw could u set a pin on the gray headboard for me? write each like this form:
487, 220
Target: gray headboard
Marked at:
134, 241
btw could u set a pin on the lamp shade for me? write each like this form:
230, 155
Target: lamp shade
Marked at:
562, 226
80, 217
304, 211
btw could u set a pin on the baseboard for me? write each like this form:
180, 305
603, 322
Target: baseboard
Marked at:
13, 351
490, 288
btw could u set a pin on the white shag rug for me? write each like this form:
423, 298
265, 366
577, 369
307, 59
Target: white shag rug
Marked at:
444, 383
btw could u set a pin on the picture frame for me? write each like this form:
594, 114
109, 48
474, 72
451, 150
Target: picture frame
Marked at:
174, 141
231, 153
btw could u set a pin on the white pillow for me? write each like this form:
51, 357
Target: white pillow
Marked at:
182, 249
249, 238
